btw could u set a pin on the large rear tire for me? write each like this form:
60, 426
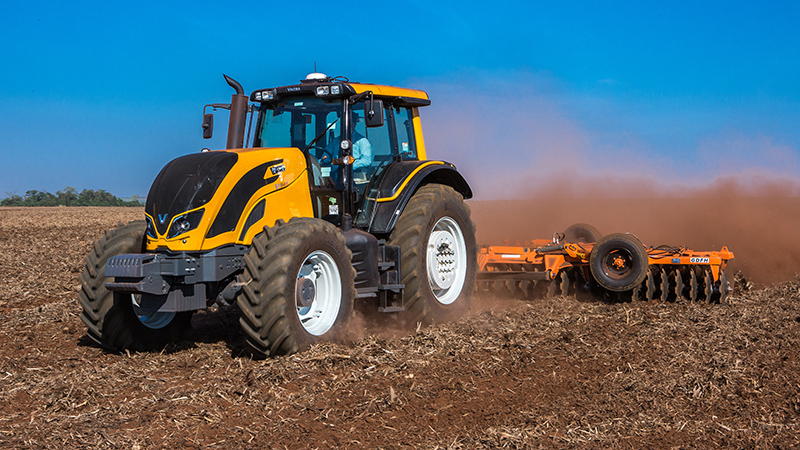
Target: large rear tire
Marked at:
298, 287
113, 319
438, 255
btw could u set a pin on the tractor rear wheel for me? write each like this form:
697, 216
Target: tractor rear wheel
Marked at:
618, 262
438, 254
298, 287
114, 320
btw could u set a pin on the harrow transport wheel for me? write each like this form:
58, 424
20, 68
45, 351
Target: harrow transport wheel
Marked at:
298, 287
438, 254
618, 262
114, 319
581, 233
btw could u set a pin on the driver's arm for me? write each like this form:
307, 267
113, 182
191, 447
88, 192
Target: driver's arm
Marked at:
362, 153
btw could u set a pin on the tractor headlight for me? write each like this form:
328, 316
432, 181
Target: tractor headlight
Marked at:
185, 223
151, 229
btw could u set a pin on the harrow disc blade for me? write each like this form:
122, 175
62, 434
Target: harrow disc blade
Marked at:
564, 283
693, 286
650, 286
708, 288
552, 289
664, 285
676, 283
723, 288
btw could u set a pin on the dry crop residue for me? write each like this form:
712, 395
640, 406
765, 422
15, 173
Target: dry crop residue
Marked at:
550, 373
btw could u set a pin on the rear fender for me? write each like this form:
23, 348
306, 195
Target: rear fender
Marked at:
402, 180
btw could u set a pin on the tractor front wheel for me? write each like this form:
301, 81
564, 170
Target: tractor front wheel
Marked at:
298, 287
114, 320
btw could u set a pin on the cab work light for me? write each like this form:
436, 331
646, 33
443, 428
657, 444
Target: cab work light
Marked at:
264, 96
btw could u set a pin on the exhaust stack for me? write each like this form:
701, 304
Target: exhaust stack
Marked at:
238, 117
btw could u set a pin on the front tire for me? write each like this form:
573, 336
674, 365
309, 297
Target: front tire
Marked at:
298, 287
113, 319
438, 254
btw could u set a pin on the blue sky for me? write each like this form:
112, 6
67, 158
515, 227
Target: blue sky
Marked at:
100, 95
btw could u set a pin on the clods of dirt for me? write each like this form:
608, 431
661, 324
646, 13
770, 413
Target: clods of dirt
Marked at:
550, 373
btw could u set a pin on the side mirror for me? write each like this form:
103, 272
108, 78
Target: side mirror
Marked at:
373, 113
208, 125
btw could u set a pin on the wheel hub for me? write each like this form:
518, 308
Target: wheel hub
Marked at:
151, 319
446, 260
305, 292
318, 293
618, 263
441, 259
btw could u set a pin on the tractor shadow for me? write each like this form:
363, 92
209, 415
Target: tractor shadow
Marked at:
209, 326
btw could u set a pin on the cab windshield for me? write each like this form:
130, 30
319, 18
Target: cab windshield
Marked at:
301, 122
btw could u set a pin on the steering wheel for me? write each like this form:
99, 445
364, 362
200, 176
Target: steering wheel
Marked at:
325, 157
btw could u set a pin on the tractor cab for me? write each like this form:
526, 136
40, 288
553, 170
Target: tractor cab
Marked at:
348, 132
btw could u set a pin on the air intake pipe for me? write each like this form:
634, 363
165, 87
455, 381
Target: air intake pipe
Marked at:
238, 118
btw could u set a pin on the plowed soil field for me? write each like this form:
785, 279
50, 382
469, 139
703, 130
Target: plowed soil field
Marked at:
553, 373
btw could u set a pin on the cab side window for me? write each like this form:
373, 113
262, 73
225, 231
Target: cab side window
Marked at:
372, 148
404, 126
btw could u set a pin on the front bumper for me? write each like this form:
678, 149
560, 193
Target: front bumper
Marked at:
173, 282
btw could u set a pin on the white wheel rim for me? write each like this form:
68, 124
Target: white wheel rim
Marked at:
446, 258
151, 319
321, 269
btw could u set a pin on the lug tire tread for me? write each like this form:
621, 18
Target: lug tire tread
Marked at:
410, 232
268, 286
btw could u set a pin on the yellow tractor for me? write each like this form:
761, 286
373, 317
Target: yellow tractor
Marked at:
332, 205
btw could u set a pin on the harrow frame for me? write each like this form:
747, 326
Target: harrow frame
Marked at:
544, 267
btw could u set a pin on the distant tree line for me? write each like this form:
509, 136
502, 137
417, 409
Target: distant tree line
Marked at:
68, 197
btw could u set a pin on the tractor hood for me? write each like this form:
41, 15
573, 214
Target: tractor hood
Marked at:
206, 200
185, 184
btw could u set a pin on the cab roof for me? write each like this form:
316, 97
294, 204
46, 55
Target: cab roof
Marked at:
340, 87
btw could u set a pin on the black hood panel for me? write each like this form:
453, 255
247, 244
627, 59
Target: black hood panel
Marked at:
186, 183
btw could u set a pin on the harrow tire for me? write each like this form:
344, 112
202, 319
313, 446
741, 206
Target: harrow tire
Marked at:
298, 287
109, 316
581, 233
439, 209
618, 262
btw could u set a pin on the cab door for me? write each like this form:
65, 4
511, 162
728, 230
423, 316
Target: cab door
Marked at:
393, 142
327, 187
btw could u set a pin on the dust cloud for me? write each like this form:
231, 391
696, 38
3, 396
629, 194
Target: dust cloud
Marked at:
758, 222
540, 158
